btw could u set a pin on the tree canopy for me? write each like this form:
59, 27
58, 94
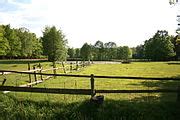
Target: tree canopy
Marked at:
21, 43
159, 47
54, 44
85, 52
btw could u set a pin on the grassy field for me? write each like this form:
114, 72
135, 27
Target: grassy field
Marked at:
116, 106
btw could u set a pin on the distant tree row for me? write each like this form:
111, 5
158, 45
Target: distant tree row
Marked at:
21, 43
160, 47
100, 51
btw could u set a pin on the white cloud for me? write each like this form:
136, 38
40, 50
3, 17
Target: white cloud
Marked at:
122, 21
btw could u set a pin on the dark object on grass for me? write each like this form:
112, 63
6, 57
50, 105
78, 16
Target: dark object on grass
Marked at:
126, 62
4, 81
174, 63
97, 99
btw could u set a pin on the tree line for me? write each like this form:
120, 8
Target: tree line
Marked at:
100, 51
21, 43
18, 43
161, 46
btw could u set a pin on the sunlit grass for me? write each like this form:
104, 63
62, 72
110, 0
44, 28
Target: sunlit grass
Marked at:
139, 69
144, 106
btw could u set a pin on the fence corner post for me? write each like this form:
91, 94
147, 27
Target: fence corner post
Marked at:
92, 86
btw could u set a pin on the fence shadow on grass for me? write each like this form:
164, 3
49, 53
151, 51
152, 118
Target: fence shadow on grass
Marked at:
161, 84
136, 109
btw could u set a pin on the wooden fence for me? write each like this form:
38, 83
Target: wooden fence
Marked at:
91, 91
38, 68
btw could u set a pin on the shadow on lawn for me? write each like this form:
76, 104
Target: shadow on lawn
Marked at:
11, 108
161, 84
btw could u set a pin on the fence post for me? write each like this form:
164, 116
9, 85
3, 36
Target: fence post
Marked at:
71, 67
35, 78
29, 68
83, 63
76, 65
40, 66
92, 86
63, 67
92, 61
4, 79
178, 94
89, 62
54, 68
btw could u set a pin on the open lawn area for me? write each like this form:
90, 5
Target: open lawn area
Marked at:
150, 106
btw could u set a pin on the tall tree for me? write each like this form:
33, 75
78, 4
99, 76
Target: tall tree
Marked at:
14, 44
124, 52
138, 52
110, 50
71, 52
176, 42
54, 44
37, 47
85, 52
159, 47
77, 53
99, 50
26, 42
4, 45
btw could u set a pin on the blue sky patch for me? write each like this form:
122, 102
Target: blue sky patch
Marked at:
23, 1
6, 6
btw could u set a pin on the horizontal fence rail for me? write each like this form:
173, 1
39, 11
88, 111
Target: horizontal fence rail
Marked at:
96, 76
81, 91
92, 90
139, 91
46, 90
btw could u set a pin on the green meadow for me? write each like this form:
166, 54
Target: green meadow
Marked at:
150, 106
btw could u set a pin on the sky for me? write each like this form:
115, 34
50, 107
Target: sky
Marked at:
125, 22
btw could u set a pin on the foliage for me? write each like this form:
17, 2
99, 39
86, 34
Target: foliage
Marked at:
14, 43
19, 43
110, 50
99, 50
54, 44
139, 52
71, 52
85, 52
107, 51
159, 47
77, 53
4, 45
123, 52
176, 42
